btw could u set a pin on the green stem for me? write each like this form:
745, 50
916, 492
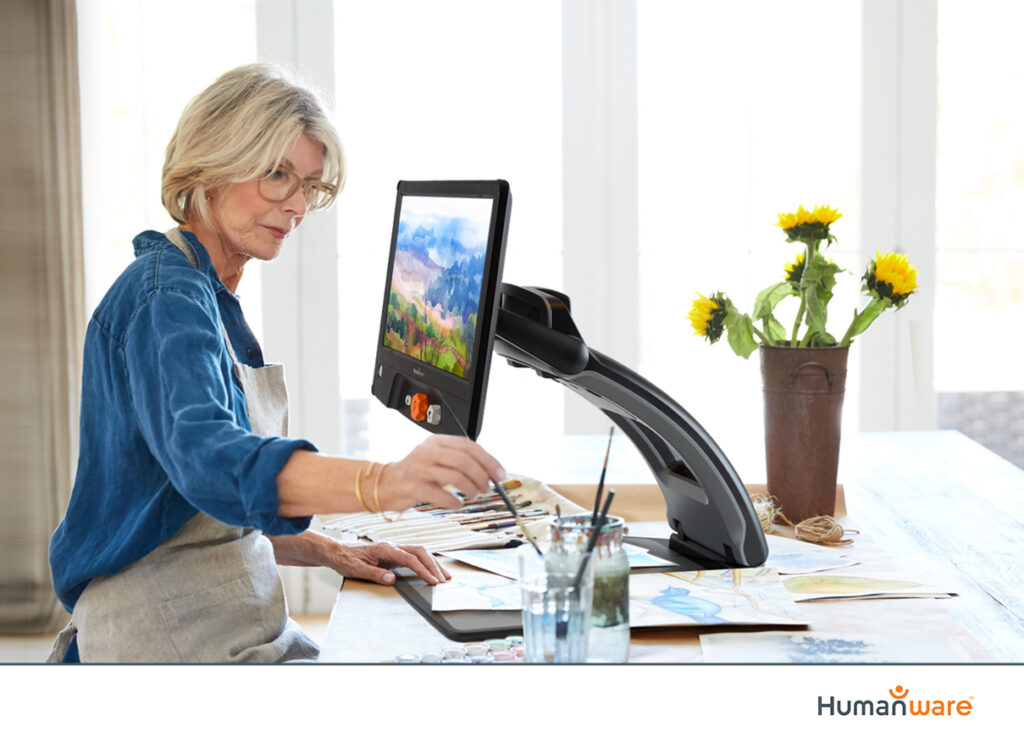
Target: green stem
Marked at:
799, 319
849, 331
764, 338
812, 249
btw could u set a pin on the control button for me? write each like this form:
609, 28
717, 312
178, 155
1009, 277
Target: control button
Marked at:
380, 371
434, 415
418, 407
408, 400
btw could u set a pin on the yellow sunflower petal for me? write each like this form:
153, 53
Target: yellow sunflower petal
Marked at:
825, 214
700, 314
792, 268
786, 220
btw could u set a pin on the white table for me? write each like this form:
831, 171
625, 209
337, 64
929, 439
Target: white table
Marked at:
935, 502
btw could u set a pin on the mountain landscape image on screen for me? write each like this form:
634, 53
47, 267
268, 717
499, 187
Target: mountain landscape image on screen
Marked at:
436, 280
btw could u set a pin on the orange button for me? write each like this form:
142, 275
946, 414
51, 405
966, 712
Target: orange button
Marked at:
418, 408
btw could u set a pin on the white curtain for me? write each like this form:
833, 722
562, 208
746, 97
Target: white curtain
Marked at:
41, 299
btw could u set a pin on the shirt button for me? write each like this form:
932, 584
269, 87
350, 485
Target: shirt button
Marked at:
250, 352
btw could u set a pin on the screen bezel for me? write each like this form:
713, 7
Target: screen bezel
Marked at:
464, 396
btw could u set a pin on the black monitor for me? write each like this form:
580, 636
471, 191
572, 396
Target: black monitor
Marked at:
440, 303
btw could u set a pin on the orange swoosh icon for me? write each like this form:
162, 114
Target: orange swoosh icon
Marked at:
899, 693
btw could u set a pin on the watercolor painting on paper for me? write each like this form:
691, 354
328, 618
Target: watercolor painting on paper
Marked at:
828, 647
711, 597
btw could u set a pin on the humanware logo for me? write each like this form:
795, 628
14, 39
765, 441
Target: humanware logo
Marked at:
897, 704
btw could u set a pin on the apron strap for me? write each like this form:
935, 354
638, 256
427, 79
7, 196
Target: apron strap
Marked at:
179, 241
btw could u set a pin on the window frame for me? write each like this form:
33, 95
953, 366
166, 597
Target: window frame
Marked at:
600, 255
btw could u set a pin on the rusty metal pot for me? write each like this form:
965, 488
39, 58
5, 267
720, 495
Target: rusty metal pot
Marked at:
803, 408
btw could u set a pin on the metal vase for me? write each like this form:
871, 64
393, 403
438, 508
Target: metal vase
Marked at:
803, 409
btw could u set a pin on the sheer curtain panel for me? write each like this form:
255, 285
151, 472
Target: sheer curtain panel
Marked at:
41, 300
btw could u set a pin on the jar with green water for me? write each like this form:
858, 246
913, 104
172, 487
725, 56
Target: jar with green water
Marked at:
609, 617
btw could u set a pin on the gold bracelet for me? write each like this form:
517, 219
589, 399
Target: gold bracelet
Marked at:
359, 495
376, 486
367, 472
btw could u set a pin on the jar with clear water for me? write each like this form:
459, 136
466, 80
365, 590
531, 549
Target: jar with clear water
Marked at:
609, 617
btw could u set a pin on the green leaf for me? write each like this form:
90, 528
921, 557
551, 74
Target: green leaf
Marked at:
767, 299
816, 339
773, 329
741, 333
816, 284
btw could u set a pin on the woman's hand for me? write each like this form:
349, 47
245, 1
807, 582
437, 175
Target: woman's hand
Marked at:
438, 462
371, 562
312, 483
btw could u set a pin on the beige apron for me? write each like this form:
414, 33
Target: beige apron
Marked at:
209, 594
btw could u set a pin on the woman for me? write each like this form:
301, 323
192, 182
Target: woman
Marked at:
184, 466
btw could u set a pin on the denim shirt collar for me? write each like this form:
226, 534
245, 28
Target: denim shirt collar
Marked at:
153, 240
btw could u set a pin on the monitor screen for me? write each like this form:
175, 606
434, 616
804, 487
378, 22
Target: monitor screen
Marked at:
438, 271
441, 302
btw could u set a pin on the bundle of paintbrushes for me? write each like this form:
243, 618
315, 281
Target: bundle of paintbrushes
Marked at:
485, 522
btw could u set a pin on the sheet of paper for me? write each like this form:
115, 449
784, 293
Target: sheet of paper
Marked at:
501, 562
858, 585
712, 597
828, 647
505, 562
793, 557
467, 591
642, 558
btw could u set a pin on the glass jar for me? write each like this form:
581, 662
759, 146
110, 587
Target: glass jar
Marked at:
609, 617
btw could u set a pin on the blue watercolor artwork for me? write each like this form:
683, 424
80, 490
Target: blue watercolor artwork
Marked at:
679, 601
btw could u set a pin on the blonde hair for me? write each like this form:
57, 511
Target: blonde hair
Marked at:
240, 128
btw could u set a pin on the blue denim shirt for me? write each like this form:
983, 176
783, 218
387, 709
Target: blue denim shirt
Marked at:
164, 431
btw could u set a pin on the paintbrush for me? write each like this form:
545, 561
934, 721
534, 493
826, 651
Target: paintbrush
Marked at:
592, 542
504, 496
604, 471
515, 515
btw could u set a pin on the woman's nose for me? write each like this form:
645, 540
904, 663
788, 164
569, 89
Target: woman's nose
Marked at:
296, 203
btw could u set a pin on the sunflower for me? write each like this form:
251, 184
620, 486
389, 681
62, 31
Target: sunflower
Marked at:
809, 226
795, 270
891, 276
707, 316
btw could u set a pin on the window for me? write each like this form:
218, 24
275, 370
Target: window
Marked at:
140, 63
446, 90
746, 109
979, 294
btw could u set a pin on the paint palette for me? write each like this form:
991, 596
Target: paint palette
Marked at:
482, 523
499, 650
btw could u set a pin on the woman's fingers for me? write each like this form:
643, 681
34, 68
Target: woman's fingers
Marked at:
437, 463
355, 561
416, 558
443, 476
474, 452
428, 559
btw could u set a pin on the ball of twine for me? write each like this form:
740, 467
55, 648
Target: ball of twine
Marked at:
817, 529
767, 510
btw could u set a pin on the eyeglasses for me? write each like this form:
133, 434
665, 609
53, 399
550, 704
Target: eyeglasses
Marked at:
281, 184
